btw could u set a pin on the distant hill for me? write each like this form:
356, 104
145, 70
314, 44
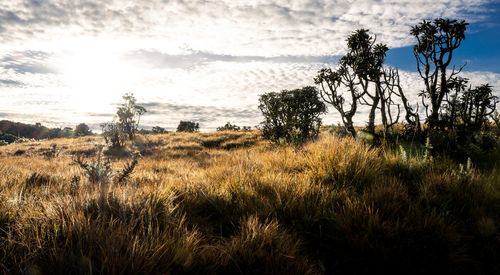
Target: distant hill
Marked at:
10, 130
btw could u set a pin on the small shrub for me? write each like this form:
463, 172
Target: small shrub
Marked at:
338, 130
114, 135
19, 152
37, 179
99, 171
233, 127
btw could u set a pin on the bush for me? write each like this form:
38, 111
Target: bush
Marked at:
338, 130
158, 130
291, 116
114, 135
233, 127
188, 126
229, 127
461, 145
82, 129
8, 138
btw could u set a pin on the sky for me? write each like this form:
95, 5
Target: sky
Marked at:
64, 62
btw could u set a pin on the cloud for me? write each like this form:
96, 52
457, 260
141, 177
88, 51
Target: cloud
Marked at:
70, 61
10, 83
36, 62
157, 59
209, 117
230, 27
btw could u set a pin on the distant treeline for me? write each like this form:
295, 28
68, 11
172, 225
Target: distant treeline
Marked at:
11, 131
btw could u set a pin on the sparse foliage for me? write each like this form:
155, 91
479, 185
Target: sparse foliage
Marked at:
436, 42
158, 130
113, 134
129, 115
100, 171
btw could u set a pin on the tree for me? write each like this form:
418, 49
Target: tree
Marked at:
362, 79
436, 42
366, 60
291, 115
129, 114
393, 87
229, 127
332, 92
468, 109
188, 126
82, 129
158, 130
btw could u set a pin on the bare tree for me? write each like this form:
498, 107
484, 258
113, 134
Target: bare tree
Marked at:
393, 88
437, 40
332, 91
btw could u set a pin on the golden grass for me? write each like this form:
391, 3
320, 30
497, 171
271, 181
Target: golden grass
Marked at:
230, 203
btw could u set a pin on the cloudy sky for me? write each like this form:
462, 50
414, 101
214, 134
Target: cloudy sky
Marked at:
68, 61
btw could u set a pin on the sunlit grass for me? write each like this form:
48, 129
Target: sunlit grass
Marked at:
229, 202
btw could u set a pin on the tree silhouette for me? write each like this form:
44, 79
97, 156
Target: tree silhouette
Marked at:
291, 115
129, 115
331, 83
188, 126
437, 40
361, 78
82, 129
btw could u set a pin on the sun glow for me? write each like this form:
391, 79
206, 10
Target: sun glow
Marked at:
96, 75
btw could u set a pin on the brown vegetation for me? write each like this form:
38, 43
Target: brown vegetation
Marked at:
230, 203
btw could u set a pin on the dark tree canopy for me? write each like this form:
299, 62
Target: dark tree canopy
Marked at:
188, 126
82, 129
158, 130
229, 127
291, 115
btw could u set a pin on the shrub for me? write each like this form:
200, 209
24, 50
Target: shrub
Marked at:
158, 130
100, 172
188, 126
338, 130
8, 138
82, 129
229, 127
460, 144
291, 115
114, 135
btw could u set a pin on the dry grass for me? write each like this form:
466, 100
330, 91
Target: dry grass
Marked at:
230, 203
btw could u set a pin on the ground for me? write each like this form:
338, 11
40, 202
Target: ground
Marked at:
231, 203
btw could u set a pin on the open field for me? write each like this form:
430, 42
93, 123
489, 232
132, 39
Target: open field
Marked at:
230, 203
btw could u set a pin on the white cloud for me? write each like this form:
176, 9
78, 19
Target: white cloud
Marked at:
70, 61
262, 28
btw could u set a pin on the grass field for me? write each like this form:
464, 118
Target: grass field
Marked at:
230, 203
